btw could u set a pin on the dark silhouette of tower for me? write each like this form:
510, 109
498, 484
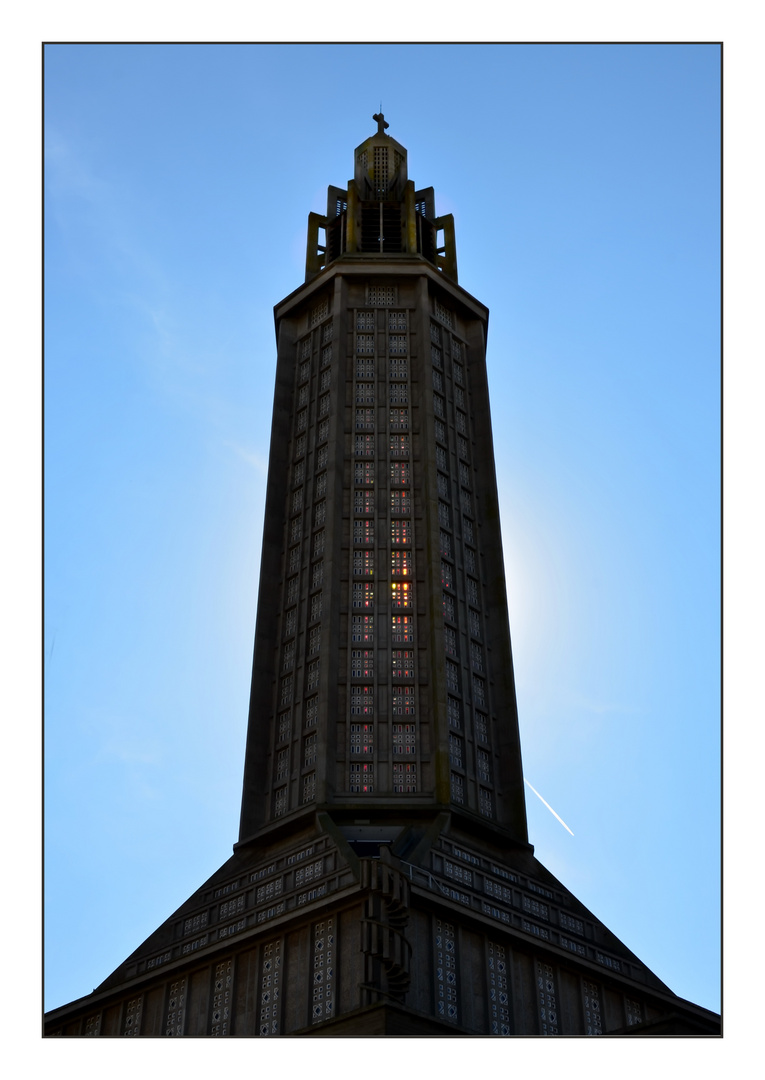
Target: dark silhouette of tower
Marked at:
383, 882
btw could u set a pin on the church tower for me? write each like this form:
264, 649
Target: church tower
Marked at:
383, 882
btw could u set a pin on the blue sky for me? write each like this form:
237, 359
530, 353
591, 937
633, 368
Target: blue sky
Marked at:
584, 182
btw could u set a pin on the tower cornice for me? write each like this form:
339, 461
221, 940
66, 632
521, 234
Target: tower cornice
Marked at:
361, 266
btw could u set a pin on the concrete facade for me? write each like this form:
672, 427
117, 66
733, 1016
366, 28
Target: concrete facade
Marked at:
383, 883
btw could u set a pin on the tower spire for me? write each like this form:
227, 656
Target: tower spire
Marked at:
381, 122
380, 213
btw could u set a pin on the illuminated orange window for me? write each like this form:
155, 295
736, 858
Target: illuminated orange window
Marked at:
363, 562
403, 701
401, 563
399, 472
400, 532
363, 629
364, 502
402, 628
363, 595
364, 472
402, 664
364, 531
401, 594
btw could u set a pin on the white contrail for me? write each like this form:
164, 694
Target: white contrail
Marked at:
560, 819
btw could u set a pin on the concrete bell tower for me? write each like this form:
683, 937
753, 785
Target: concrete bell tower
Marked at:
383, 883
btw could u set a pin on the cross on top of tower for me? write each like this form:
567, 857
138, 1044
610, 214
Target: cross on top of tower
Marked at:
381, 123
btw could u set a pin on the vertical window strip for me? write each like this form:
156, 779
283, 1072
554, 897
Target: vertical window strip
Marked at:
309, 787
470, 561
132, 1024
311, 711
455, 750
285, 727
362, 739
593, 1016
220, 1015
282, 765
280, 801
363, 595
362, 629
547, 999
176, 1008
405, 739
362, 777
93, 1025
405, 777
452, 676
323, 991
403, 701
363, 701
362, 664
285, 691
499, 998
445, 949
634, 1011
269, 989
454, 712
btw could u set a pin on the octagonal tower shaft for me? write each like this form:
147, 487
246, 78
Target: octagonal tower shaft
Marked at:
383, 675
